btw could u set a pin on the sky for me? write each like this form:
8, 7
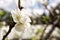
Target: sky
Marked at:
12, 4
7, 4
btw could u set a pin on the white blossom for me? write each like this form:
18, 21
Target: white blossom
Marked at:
22, 24
21, 27
57, 11
21, 19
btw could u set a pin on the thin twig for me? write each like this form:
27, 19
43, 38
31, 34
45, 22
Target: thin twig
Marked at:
19, 4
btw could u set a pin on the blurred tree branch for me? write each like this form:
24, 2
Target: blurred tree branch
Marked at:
19, 5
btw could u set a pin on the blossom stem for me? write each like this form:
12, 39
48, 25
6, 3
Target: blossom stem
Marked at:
19, 4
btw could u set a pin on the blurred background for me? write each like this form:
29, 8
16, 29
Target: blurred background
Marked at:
44, 15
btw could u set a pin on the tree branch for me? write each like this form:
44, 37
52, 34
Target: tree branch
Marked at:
50, 32
7, 33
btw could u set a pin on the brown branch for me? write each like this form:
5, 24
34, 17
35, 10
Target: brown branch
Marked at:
52, 29
9, 21
19, 6
11, 25
50, 32
7, 33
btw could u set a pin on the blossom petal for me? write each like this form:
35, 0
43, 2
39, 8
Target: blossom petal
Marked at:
21, 27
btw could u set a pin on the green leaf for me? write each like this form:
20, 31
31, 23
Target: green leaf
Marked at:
45, 19
2, 13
